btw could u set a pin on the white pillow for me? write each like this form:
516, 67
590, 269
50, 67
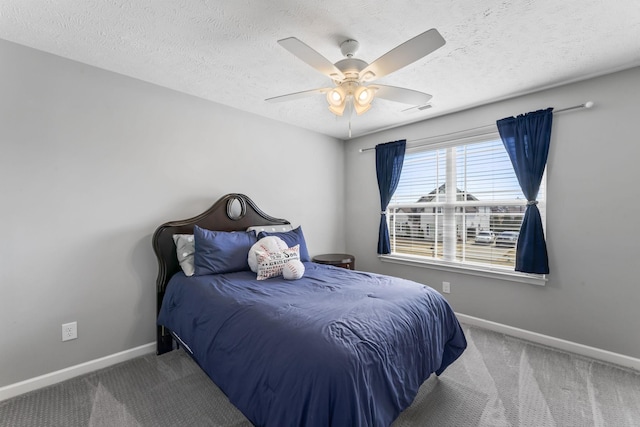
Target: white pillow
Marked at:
185, 248
266, 244
270, 264
293, 270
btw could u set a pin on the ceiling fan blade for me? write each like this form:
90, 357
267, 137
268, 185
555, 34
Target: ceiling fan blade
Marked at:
399, 94
311, 57
298, 95
403, 55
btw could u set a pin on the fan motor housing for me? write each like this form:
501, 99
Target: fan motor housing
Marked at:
351, 67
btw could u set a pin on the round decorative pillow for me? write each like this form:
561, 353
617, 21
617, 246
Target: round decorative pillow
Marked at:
293, 270
266, 244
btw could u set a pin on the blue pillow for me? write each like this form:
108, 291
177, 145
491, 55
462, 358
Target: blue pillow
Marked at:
219, 252
291, 238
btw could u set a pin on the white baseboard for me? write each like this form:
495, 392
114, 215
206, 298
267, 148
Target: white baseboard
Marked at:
31, 384
569, 346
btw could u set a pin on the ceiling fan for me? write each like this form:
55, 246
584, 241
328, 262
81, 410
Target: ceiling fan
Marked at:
352, 76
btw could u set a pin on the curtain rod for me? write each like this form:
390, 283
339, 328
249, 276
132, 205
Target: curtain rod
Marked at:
587, 104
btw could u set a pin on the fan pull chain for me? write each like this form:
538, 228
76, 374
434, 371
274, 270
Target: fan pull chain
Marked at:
349, 127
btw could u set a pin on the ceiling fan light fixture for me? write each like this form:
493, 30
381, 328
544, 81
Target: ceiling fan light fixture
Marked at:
337, 99
361, 109
339, 110
336, 96
364, 94
362, 98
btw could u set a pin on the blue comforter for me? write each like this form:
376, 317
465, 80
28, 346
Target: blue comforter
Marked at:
335, 348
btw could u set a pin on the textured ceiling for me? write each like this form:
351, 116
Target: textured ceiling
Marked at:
227, 51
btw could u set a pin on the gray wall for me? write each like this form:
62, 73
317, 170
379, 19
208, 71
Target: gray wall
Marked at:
91, 162
593, 217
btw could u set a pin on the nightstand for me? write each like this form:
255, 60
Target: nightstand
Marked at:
338, 260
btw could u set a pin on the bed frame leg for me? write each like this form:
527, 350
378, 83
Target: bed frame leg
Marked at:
164, 342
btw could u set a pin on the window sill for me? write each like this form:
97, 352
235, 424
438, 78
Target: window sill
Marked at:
511, 276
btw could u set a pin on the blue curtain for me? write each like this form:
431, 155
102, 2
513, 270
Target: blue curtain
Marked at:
526, 139
389, 159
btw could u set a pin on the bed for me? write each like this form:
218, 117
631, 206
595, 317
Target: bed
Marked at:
334, 348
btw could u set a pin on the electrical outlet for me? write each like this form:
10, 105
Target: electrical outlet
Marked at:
69, 331
446, 287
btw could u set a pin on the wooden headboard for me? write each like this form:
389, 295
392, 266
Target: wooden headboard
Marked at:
232, 212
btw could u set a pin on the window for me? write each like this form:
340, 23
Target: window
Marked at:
459, 204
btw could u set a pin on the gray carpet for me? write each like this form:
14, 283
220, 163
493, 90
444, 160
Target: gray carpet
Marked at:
499, 381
